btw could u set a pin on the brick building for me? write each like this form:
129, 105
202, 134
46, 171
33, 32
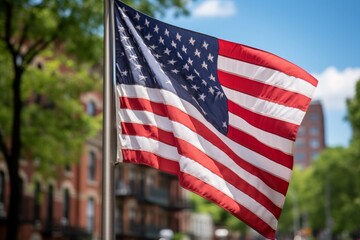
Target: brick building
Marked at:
310, 140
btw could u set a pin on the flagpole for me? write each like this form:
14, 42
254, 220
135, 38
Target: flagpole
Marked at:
109, 136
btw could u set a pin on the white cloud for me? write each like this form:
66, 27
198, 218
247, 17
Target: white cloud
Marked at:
215, 8
336, 86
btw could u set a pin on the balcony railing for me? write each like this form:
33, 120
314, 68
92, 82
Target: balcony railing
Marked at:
159, 196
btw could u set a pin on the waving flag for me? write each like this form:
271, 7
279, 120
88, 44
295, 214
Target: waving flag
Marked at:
221, 116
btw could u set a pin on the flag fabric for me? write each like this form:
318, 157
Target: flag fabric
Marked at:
221, 116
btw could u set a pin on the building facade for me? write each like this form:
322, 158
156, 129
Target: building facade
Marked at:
148, 201
310, 140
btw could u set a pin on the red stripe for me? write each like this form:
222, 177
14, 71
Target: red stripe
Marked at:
254, 144
212, 194
278, 127
264, 91
176, 115
262, 58
151, 160
189, 151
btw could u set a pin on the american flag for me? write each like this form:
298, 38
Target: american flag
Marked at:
221, 116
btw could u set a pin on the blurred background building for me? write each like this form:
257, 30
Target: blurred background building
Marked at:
310, 140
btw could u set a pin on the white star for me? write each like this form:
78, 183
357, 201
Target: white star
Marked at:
124, 9
129, 47
224, 125
178, 37
175, 71
173, 44
197, 53
156, 29
138, 66
192, 41
205, 45
157, 55
138, 27
153, 46
137, 16
121, 29
147, 22
211, 90
172, 61
212, 78
203, 82
124, 38
195, 87
190, 61
184, 49
161, 40
148, 37
186, 66
211, 57
204, 65
142, 77
133, 57
124, 73
167, 32
190, 77
167, 51
202, 97
185, 87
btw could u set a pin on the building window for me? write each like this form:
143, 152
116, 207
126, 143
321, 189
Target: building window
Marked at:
37, 203
314, 131
91, 108
67, 168
314, 117
300, 143
50, 204
299, 157
314, 143
90, 214
66, 207
132, 214
301, 131
91, 166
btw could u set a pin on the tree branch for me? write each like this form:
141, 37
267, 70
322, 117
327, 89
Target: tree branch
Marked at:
25, 33
37, 48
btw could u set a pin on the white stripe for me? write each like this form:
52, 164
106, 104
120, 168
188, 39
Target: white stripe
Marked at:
182, 132
149, 145
265, 108
191, 167
163, 96
265, 75
266, 138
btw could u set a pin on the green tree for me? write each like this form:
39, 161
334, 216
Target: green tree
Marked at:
54, 123
334, 193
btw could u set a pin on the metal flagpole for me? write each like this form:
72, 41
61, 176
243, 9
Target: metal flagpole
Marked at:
109, 131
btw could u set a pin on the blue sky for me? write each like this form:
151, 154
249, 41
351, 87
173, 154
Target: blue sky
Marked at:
323, 37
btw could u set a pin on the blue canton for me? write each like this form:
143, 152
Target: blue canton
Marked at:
158, 55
